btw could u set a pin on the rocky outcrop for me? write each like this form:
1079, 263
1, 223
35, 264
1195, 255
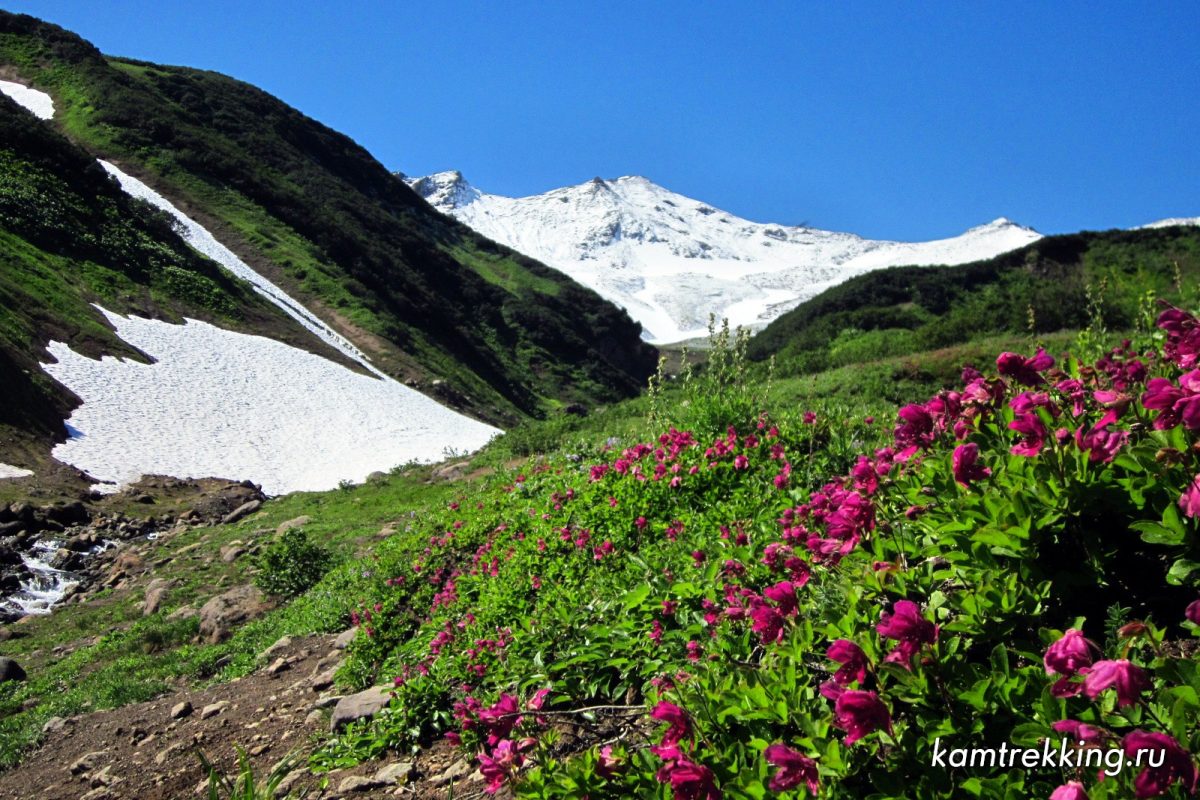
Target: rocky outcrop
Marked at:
220, 615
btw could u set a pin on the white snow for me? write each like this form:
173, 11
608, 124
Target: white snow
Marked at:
1167, 223
220, 403
40, 103
199, 238
670, 260
9, 471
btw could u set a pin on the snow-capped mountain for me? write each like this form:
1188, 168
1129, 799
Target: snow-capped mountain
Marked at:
1171, 222
671, 261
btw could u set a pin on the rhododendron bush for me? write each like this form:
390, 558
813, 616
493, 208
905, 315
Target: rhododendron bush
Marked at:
801, 606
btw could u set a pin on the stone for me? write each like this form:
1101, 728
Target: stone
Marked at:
298, 522
399, 772
363, 705
323, 680
344, 638
456, 771
87, 762
54, 725
244, 510
156, 592
220, 614
181, 710
232, 552
281, 644
357, 783
277, 666
10, 670
170, 752
212, 709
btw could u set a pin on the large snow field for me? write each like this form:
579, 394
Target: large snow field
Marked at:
220, 403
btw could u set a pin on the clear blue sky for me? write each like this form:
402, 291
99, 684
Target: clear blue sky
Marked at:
897, 120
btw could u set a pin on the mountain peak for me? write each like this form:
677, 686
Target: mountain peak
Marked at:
444, 190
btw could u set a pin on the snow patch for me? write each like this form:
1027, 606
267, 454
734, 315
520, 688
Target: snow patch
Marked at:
198, 237
670, 261
39, 103
1171, 222
9, 471
220, 403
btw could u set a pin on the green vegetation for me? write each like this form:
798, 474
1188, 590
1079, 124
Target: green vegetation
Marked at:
292, 565
1074, 282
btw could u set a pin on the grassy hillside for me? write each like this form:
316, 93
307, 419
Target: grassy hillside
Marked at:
1087, 280
430, 301
722, 603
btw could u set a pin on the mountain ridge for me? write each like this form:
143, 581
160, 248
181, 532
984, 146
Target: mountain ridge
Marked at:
638, 244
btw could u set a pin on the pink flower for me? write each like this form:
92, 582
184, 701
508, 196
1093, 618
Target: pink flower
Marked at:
1025, 370
1193, 612
1183, 337
676, 719
1033, 435
689, 781
538, 700
1069, 654
794, 769
964, 463
783, 595
1176, 764
608, 764
906, 625
498, 767
766, 621
1100, 444
1128, 679
1080, 731
860, 713
1071, 790
852, 659
1189, 501
915, 430
500, 718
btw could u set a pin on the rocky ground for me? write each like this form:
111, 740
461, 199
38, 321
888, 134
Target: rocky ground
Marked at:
150, 750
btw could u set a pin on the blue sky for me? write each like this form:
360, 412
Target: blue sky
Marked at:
891, 120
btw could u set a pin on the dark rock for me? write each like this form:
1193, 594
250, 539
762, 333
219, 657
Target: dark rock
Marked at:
245, 509
10, 670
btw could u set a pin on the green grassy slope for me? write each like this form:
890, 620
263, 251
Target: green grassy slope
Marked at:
430, 301
1057, 283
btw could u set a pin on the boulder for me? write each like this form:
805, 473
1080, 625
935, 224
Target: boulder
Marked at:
363, 705
244, 510
222, 613
181, 710
297, 522
10, 671
156, 592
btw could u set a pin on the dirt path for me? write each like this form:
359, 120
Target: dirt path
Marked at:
142, 752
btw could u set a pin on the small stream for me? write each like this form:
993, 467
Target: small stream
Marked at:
44, 586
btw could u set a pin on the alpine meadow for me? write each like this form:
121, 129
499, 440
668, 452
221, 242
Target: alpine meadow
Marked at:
321, 480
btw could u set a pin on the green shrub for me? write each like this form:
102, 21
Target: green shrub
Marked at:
293, 565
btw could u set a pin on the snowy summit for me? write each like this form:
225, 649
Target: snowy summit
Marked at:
670, 261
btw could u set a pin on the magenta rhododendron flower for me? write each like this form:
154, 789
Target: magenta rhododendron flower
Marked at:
1183, 337
914, 431
500, 765
1100, 443
1193, 612
906, 625
1189, 501
1071, 790
783, 595
766, 621
1080, 731
1025, 370
1176, 764
794, 769
1033, 435
676, 719
609, 764
860, 713
689, 780
852, 659
1069, 654
1128, 679
965, 463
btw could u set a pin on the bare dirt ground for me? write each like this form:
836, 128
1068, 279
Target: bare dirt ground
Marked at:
141, 752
